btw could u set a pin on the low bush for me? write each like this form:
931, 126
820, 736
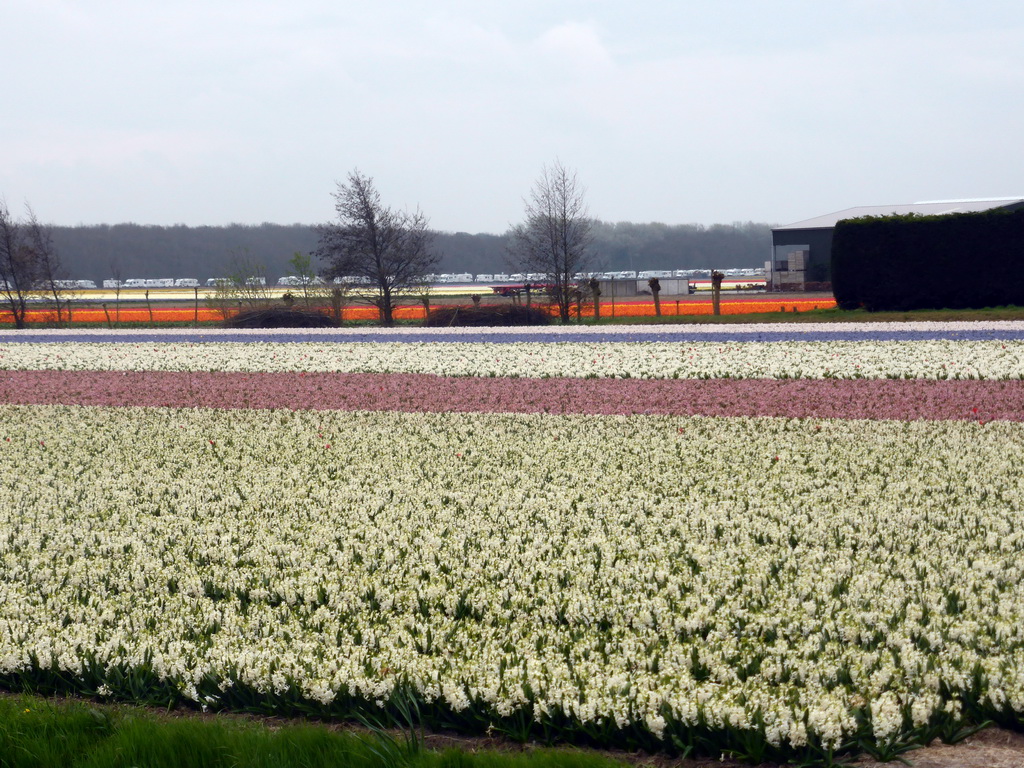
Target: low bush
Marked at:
504, 314
280, 317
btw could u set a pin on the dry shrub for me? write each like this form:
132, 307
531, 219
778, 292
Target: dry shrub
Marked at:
280, 317
505, 314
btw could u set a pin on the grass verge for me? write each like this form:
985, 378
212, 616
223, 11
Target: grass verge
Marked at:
44, 733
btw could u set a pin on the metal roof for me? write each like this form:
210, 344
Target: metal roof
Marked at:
927, 208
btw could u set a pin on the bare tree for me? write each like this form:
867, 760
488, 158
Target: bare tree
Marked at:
27, 260
16, 274
385, 250
244, 288
555, 237
118, 281
51, 277
249, 280
312, 287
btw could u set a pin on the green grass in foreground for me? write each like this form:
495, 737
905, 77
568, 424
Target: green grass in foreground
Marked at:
42, 733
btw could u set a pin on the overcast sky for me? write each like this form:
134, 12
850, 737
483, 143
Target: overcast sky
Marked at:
704, 111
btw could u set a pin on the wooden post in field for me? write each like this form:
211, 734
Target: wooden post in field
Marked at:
655, 285
339, 313
716, 291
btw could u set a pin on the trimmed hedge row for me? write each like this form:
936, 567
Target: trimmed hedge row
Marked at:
280, 317
487, 315
955, 261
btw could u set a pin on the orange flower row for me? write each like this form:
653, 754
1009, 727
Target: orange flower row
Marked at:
416, 312
728, 307
134, 315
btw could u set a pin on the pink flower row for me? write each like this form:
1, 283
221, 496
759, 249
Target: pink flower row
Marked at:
827, 398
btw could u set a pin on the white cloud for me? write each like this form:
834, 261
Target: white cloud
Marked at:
578, 46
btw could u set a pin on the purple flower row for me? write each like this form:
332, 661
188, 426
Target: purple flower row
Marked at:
922, 331
827, 398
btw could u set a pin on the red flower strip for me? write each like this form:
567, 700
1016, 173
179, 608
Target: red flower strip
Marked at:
829, 398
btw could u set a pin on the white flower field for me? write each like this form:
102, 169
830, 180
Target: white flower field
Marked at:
936, 359
766, 586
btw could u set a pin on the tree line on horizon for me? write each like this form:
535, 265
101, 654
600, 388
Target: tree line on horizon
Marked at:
104, 251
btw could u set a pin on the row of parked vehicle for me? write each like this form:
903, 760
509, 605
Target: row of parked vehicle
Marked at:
532, 277
146, 282
454, 277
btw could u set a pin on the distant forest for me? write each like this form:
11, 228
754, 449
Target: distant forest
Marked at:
132, 250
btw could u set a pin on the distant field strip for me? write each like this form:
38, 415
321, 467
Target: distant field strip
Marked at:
629, 308
1005, 330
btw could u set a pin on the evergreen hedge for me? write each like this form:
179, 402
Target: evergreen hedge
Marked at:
955, 261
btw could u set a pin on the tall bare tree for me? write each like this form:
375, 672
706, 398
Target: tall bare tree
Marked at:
555, 237
386, 250
51, 277
244, 288
313, 289
117, 275
27, 256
